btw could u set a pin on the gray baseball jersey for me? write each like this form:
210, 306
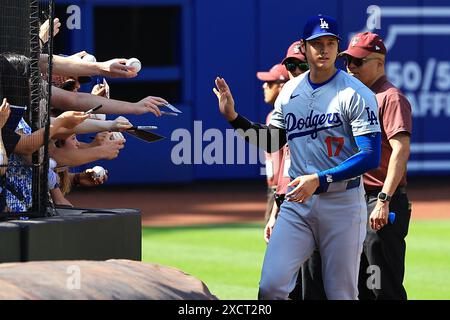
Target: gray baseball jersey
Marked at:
320, 124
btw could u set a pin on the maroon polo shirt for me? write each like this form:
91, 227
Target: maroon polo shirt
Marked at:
395, 117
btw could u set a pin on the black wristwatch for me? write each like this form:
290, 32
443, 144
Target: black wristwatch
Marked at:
383, 197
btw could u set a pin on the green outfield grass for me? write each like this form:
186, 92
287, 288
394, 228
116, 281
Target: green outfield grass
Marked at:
428, 260
228, 258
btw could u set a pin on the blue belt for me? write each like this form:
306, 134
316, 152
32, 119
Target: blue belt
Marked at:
350, 185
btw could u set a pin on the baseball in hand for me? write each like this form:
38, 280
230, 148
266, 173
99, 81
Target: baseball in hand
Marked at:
133, 62
89, 58
117, 136
99, 172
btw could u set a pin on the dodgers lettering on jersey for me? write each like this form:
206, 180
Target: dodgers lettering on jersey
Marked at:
321, 123
312, 124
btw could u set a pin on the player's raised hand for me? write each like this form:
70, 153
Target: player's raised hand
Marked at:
225, 98
305, 188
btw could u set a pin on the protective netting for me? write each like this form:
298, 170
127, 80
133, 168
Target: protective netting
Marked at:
24, 181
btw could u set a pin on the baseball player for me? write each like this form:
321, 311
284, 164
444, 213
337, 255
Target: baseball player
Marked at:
330, 122
274, 80
306, 287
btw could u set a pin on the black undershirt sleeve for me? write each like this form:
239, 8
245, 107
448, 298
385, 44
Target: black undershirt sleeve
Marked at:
267, 137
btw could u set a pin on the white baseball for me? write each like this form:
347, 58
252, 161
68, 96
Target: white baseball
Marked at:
117, 136
133, 62
89, 58
99, 172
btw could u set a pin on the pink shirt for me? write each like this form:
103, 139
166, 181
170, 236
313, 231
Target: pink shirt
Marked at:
283, 176
273, 162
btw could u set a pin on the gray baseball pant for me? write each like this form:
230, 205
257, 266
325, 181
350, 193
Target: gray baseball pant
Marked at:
333, 222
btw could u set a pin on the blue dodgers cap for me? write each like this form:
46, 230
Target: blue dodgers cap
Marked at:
319, 26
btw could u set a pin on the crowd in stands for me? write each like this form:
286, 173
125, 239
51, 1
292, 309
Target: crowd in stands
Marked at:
68, 115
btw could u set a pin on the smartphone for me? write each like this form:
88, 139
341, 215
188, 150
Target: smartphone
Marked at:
93, 109
171, 107
106, 85
17, 112
143, 128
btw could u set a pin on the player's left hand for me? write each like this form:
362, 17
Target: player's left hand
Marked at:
379, 216
306, 186
225, 98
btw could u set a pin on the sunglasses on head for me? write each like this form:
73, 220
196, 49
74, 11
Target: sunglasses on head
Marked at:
291, 66
358, 62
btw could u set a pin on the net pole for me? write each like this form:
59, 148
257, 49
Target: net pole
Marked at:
44, 178
35, 88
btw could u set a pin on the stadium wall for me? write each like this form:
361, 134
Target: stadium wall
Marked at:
187, 43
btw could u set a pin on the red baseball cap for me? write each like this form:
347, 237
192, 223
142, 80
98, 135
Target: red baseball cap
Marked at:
294, 52
277, 73
364, 44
